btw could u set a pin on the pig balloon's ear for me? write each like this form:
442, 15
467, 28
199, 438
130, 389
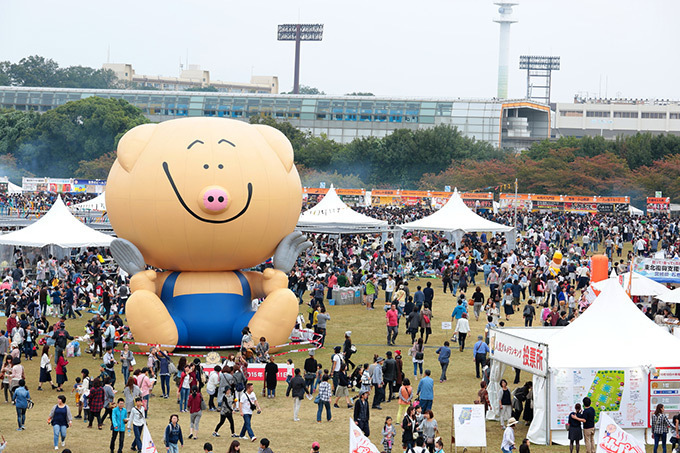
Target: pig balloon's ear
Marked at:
132, 144
279, 144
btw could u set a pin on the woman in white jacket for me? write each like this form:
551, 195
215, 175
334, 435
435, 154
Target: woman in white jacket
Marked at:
462, 329
45, 368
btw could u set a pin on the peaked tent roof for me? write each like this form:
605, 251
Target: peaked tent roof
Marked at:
455, 216
642, 286
333, 215
98, 203
57, 227
612, 332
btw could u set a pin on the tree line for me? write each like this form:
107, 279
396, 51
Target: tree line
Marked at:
79, 139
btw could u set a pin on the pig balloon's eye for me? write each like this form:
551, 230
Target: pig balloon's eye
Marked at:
220, 166
206, 166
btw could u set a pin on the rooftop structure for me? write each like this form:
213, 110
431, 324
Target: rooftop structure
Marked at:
191, 78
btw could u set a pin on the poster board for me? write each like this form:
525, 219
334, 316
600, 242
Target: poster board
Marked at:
469, 425
621, 392
664, 388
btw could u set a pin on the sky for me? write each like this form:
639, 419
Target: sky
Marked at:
426, 48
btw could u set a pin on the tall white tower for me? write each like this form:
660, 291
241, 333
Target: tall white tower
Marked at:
505, 19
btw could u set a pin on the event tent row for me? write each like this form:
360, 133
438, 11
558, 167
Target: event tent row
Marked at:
332, 215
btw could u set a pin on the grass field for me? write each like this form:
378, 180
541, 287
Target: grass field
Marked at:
276, 420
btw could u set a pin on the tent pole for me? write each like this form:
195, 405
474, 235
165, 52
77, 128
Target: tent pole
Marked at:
547, 405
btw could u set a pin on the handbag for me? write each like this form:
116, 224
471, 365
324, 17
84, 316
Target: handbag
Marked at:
317, 399
203, 405
172, 369
133, 362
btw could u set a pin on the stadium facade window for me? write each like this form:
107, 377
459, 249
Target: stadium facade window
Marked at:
625, 114
571, 113
597, 114
654, 115
675, 116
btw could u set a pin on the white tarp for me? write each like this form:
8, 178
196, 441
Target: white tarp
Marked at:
641, 286
332, 215
57, 227
98, 203
455, 216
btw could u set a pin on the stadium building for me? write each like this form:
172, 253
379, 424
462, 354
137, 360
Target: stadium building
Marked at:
512, 124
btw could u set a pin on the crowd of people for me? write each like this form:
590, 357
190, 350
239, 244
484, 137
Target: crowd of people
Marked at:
486, 276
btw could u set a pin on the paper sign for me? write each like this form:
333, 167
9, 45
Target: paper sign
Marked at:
446, 325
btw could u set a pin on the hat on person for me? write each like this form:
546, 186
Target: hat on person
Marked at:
479, 337
311, 352
380, 359
337, 348
348, 333
316, 444
364, 391
397, 351
512, 421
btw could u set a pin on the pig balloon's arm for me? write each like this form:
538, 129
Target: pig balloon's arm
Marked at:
288, 251
265, 283
127, 255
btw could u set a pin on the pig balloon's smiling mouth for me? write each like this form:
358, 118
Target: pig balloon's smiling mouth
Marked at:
184, 205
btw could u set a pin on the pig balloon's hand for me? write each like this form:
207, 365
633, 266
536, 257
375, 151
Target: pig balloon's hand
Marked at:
289, 249
127, 255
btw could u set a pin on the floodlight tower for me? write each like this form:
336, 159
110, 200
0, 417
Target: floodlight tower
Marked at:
297, 33
505, 19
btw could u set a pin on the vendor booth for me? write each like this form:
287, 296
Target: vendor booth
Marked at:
611, 353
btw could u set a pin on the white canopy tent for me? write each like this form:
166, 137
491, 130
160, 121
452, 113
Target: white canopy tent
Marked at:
671, 297
632, 210
332, 215
611, 334
641, 286
57, 227
98, 203
457, 219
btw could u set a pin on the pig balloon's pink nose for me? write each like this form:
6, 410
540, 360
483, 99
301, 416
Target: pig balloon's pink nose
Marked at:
214, 199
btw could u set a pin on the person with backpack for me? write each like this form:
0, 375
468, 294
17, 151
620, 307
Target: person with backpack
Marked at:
226, 411
173, 435
529, 313
60, 418
119, 418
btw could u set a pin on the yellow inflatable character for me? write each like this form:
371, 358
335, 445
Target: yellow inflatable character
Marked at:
203, 198
555, 264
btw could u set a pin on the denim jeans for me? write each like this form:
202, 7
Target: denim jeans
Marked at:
165, 384
417, 365
322, 404
21, 416
137, 442
173, 448
126, 374
271, 392
59, 430
183, 398
444, 366
660, 438
246, 426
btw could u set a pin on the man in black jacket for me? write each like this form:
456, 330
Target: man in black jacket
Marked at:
310, 370
362, 413
390, 374
298, 387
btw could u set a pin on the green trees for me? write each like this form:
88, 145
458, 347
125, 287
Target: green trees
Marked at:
57, 142
37, 71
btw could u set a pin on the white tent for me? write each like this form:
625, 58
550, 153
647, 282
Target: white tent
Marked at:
632, 210
642, 286
98, 203
455, 216
57, 227
332, 215
611, 334
671, 297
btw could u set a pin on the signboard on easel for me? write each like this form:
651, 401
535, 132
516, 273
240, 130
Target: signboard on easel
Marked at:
469, 424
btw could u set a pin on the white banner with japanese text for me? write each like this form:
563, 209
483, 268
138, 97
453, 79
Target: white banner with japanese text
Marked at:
519, 352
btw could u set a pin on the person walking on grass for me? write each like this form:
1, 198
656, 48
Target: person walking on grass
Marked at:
444, 354
173, 435
60, 418
226, 412
246, 405
196, 404
324, 399
119, 417
298, 387
136, 423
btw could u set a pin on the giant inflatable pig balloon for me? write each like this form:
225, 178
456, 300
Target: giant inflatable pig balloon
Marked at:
202, 199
